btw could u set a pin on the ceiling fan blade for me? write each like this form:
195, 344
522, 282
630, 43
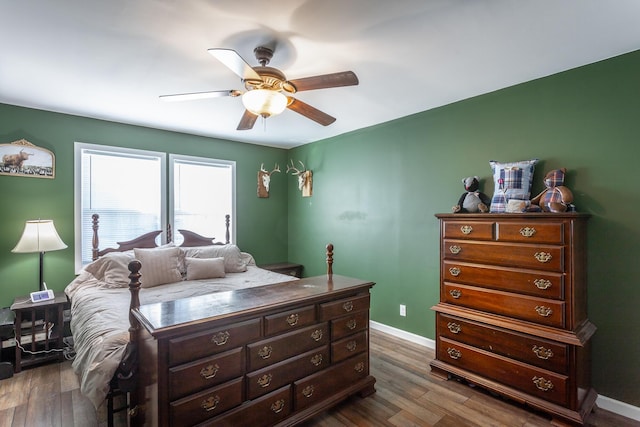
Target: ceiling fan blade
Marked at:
235, 63
200, 95
344, 78
247, 121
310, 112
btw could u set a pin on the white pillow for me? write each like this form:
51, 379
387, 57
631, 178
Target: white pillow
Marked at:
159, 266
112, 269
204, 268
233, 259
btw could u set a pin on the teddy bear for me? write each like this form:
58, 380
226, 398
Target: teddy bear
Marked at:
472, 200
555, 197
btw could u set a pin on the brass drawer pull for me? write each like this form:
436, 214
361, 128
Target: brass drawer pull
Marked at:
454, 249
542, 352
316, 335
542, 384
351, 346
455, 293
277, 406
221, 338
265, 352
454, 353
265, 380
308, 391
209, 371
351, 324
543, 256
210, 403
454, 327
347, 306
316, 360
544, 311
455, 271
527, 231
359, 368
466, 229
292, 319
542, 283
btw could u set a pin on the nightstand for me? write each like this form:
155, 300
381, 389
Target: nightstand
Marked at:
39, 329
288, 268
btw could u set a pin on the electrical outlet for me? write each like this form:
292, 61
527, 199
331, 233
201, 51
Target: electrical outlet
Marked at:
403, 310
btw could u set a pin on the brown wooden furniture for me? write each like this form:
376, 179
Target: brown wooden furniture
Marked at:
39, 329
512, 313
288, 268
259, 356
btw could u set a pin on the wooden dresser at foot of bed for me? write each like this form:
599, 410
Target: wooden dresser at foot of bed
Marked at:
264, 356
512, 315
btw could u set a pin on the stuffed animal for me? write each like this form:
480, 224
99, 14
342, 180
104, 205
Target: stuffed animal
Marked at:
472, 200
555, 197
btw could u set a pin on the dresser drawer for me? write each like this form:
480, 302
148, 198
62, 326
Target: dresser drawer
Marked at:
290, 320
539, 382
349, 346
539, 257
347, 325
474, 230
535, 351
530, 232
206, 404
538, 283
274, 376
538, 310
265, 411
205, 373
317, 387
196, 346
270, 351
331, 310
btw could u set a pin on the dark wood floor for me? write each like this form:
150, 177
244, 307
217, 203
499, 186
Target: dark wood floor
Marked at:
407, 395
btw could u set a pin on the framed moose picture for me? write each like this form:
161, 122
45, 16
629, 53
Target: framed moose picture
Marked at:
22, 158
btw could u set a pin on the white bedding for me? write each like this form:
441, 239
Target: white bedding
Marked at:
100, 319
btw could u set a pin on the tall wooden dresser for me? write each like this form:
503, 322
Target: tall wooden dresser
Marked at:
512, 315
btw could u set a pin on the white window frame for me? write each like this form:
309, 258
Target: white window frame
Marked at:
79, 147
206, 162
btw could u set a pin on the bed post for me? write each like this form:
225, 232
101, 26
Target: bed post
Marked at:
330, 259
227, 220
134, 289
169, 234
94, 241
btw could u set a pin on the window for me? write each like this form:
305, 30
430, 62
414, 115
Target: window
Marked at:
128, 189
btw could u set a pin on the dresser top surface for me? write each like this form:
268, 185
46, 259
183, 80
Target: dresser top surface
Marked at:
163, 317
514, 216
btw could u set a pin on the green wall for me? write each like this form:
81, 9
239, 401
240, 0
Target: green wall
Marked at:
261, 223
376, 192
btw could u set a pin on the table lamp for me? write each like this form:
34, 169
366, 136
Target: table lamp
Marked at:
39, 236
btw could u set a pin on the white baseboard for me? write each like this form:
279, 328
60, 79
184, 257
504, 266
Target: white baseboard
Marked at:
604, 402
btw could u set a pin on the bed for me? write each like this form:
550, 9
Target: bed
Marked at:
122, 331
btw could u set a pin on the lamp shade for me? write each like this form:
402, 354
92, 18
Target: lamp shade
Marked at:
264, 102
39, 236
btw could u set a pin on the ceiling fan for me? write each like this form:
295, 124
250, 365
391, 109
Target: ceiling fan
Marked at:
268, 92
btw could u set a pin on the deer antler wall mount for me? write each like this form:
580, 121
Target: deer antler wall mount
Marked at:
305, 178
264, 179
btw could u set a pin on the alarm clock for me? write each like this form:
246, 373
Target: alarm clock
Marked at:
40, 296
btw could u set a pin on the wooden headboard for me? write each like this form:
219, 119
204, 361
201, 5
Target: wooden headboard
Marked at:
148, 240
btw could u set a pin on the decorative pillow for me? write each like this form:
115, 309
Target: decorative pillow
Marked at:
159, 266
233, 259
204, 268
112, 269
512, 181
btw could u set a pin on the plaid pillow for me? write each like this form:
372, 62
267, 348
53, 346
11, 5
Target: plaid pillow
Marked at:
511, 181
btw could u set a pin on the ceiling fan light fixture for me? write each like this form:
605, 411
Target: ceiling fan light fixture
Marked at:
264, 102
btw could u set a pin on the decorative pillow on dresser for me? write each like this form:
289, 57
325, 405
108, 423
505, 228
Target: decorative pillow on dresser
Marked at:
511, 181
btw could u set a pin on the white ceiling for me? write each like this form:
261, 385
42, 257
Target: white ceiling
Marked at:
112, 59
